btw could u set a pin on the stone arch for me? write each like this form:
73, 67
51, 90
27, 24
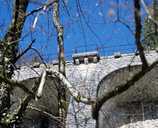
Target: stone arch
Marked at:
133, 69
42, 113
133, 105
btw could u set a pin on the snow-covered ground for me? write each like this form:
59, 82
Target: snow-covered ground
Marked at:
143, 124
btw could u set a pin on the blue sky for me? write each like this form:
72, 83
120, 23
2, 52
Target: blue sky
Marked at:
94, 27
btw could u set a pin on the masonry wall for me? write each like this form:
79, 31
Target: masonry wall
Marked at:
85, 78
42, 113
138, 103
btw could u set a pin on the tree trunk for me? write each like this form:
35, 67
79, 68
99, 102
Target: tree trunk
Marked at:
138, 27
60, 32
11, 39
9, 50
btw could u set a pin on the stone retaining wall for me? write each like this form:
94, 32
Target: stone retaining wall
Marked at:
138, 103
42, 113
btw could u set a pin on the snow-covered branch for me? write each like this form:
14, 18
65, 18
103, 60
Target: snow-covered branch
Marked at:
73, 92
41, 85
40, 11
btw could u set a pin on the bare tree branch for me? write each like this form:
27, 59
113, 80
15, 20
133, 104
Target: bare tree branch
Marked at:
13, 84
44, 112
60, 32
138, 26
74, 93
40, 88
24, 52
38, 53
40, 9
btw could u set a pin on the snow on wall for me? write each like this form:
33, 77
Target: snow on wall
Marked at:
85, 78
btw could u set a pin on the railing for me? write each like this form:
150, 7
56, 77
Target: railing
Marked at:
103, 51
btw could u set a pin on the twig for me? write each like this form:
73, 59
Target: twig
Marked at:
24, 52
44, 112
13, 83
38, 53
39, 9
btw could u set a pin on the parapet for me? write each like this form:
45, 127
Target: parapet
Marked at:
86, 57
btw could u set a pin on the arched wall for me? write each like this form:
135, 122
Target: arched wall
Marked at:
138, 103
114, 77
42, 113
